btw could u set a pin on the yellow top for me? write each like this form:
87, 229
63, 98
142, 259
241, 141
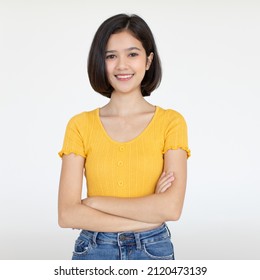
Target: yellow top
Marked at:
124, 169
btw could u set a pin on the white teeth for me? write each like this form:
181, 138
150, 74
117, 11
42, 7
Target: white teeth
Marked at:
123, 76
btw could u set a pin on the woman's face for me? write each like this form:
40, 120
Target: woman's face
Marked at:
126, 63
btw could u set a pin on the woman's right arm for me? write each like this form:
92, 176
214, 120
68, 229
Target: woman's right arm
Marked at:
73, 214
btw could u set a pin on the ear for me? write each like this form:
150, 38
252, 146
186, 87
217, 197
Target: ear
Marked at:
149, 61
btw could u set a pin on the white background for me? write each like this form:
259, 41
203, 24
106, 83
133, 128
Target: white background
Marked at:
210, 57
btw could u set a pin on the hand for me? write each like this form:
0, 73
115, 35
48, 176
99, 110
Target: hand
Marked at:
164, 182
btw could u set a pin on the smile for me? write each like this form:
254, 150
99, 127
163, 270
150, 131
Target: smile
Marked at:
124, 77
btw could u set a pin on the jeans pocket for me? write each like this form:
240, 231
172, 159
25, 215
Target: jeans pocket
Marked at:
82, 246
160, 250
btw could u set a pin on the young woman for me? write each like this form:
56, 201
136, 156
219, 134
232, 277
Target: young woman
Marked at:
133, 154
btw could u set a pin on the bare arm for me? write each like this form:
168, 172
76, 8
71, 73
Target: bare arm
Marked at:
164, 205
73, 214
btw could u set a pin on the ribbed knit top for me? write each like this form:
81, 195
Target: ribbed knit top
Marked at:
124, 169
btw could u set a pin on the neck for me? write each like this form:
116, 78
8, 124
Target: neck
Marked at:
126, 104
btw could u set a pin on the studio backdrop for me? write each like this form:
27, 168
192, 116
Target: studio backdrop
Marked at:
210, 58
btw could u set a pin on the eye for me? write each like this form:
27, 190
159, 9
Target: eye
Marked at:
133, 54
110, 56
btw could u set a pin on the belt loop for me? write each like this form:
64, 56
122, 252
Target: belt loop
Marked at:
94, 237
137, 241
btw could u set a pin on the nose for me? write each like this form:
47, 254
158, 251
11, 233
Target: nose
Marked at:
121, 63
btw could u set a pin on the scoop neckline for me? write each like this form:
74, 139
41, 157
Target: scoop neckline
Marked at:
132, 140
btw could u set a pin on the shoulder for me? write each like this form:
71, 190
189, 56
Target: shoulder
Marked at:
169, 115
82, 122
83, 117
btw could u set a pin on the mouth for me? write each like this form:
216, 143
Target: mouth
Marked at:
124, 77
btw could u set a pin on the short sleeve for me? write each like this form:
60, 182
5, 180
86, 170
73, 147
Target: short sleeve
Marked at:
73, 140
176, 136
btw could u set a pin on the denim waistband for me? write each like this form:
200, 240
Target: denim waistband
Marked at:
128, 238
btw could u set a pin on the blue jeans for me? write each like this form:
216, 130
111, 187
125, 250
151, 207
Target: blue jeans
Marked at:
147, 245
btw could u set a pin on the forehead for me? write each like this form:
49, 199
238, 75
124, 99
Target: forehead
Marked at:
122, 41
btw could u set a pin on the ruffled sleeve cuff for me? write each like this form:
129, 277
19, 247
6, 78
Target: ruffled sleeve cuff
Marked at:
70, 151
176, 148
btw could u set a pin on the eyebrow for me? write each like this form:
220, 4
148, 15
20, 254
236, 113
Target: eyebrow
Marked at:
128, 49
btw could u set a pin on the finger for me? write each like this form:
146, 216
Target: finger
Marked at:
166, 184
165, 187
165, 179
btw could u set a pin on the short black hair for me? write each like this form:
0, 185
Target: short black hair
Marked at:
96, 59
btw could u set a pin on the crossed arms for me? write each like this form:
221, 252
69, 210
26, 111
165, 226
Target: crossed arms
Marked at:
112, 214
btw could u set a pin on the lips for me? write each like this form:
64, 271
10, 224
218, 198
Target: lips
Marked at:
124, 77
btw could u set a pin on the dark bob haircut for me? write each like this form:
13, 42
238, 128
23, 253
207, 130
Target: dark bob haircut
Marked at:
96, 59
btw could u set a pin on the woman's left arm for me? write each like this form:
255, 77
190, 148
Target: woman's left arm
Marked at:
156, 208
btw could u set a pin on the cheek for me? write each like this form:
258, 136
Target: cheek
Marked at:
141, 69
141, 65
109, 72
